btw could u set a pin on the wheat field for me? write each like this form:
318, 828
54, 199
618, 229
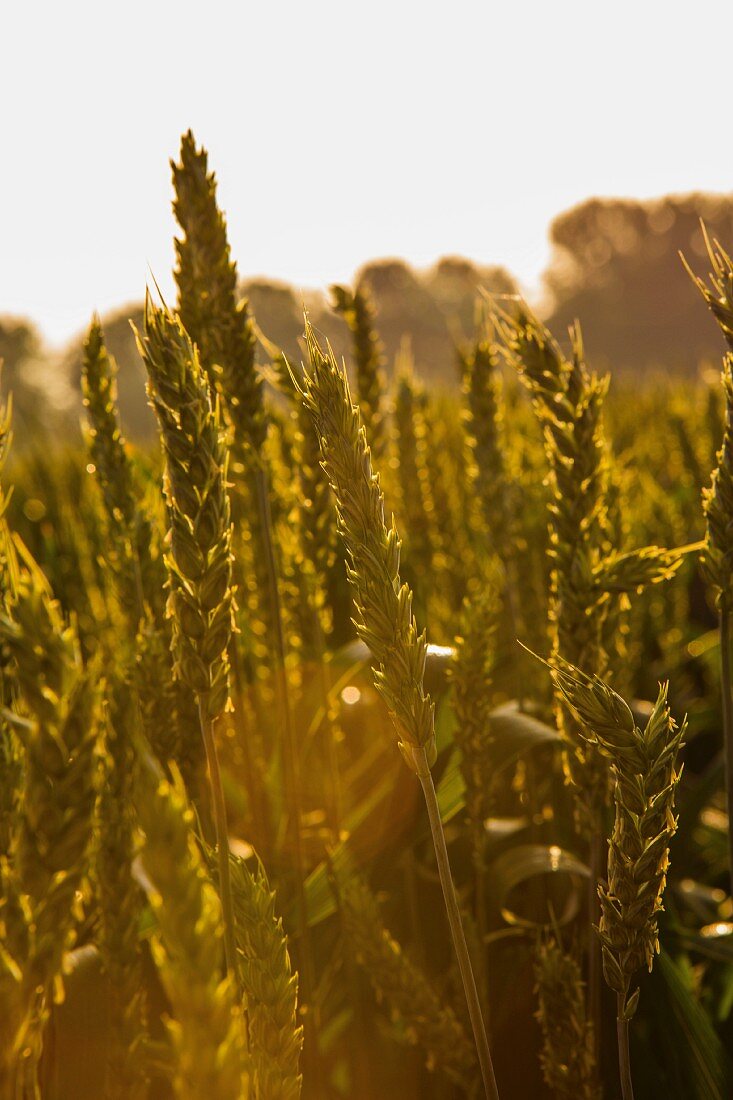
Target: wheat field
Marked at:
343, 733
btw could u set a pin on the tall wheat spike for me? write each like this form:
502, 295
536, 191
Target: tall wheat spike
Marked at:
568, 400
384, 619
207, 1028
209, 305
586, 574
223, 331
199, 562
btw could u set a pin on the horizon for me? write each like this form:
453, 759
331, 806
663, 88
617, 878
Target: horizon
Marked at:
405, 135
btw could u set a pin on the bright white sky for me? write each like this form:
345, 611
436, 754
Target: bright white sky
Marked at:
340, 131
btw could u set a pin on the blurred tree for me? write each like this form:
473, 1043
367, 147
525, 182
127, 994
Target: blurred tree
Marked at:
42, 398
616, 265
138, 422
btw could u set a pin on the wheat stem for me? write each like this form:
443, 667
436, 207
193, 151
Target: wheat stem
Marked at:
727, 698
624, 1059
222, 837
456, 925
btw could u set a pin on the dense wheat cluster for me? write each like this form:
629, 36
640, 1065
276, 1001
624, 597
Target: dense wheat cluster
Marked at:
219, 878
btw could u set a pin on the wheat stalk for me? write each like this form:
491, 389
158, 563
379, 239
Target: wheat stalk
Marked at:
384, 619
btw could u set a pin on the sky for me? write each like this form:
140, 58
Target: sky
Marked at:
339, 132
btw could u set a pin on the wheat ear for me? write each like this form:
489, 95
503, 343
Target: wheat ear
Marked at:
645, 778
568, 1059
384, 619
59, 719
207, 1027
223, 331
199, 562
357, 310
406, 990
269, 983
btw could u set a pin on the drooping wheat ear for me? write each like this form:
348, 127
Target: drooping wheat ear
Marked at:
568, 1062
383, 604
384, 620
207, 1026
120, 898
200, 560
270, 986
645, 778
421, 1015
355, 306
57, 713
208, 302
140, 576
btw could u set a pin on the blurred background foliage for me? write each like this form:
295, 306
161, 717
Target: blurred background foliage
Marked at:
614, 263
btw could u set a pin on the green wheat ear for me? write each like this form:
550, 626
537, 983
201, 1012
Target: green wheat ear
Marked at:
384, 621
199, 562
383, 604
58, 714
355, 306
567, 1058
645, 778
402, 986
209, 304
188, 947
